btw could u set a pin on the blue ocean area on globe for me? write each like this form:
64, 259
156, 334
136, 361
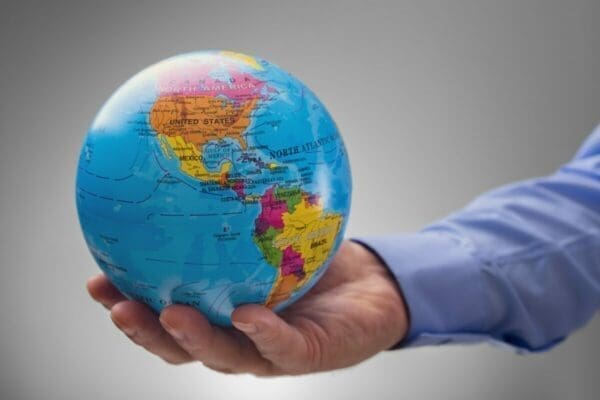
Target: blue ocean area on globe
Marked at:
213, 179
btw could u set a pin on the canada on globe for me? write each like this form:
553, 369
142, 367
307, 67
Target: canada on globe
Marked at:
213, 179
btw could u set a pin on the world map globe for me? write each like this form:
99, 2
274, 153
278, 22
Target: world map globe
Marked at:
213, 179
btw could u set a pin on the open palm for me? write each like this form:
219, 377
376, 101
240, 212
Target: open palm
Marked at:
352, 313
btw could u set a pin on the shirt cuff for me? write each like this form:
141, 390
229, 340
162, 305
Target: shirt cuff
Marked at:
443, 285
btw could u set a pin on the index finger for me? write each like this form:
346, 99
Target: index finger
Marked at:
218, 348
103, 291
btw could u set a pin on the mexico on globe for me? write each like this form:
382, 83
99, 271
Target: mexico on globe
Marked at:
213, 179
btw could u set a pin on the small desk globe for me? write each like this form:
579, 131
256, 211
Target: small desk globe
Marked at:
213, 179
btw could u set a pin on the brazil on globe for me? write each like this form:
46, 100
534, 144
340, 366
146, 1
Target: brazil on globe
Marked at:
213, 179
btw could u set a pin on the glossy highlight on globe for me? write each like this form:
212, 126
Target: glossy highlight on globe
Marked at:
213, 179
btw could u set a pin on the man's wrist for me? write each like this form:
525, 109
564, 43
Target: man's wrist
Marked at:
441, 284
399, 309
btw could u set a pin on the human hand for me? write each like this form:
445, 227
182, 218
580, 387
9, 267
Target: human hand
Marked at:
351, 314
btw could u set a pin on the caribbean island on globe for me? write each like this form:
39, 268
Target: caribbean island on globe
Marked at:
213, 179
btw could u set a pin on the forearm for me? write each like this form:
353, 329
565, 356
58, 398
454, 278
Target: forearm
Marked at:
519, 265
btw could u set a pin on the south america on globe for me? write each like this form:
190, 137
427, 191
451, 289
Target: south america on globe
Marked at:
213, 179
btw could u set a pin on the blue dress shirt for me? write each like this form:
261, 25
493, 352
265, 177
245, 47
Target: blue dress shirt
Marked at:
519, 265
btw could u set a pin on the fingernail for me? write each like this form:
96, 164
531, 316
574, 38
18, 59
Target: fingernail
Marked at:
126, 330
129, 332
177, 334
248, 328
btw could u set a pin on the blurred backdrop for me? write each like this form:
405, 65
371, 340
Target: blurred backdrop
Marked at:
437, 101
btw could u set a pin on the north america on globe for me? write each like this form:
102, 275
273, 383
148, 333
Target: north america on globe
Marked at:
213, 179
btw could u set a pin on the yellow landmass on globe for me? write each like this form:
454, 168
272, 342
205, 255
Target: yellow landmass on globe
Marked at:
311, 233
246, 59
191, 160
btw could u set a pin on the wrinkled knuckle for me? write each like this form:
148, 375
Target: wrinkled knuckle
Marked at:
315, 355
269, 336
198, 351
275, 352
197, 348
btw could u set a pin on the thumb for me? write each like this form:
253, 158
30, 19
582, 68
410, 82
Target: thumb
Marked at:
276, 340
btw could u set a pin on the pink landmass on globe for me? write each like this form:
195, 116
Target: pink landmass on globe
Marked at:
272, 211
201, 79
238, 188
292, 263
311, 199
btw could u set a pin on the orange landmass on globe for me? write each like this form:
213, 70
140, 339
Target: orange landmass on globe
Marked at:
196, 107
185, 123
282, 289
200, 119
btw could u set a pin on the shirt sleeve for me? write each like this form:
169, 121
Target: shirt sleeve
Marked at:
519, 266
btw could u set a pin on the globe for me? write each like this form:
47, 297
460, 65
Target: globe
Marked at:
213, 179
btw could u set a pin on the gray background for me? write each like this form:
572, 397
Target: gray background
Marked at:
437, 102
